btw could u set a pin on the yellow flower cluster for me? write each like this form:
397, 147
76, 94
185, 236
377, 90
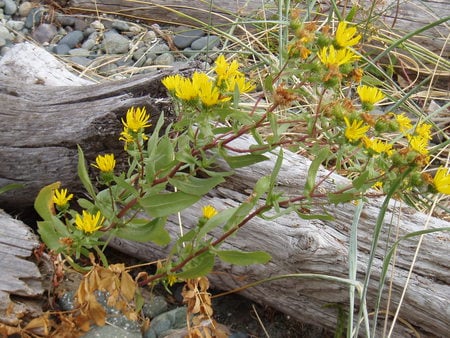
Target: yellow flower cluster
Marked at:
105, 163
208, 211
136, 120
89, 223
441, 181
209, 92
61, 198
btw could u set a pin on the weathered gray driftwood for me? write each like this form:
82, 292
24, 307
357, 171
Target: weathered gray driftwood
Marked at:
42, 126
19, 276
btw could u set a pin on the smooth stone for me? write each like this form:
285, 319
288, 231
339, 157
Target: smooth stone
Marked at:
25, 8
61, 49
184, 39
120, 25
107, 69
2, 43
81, 25
5, 34
149, 36
173, 319
44, 32
108, 331
10, 7
97, 25
165, 59
205, 42
140, 53
88, 44
81, 60
155, 306
34, 17
79, 52
65, 20
114, 43
72, 39
4, 48
189, 52
156, 50
15, 25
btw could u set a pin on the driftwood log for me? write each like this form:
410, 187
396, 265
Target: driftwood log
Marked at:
397, 16
42, 125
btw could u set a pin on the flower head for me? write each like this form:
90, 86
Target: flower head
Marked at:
377, 146
424, 130
89, 223
418, 143
136, 119
441, 181
242, 84
105, 163
355, 130
331, 57
209, 211
404, 122
346, 36
225, 70
369, 95
60, 197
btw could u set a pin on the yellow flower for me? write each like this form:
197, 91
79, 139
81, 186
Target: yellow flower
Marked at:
378, 146
355, 130
239, 81
60, 197
171, 82
418, 143
171, 279
330, 57
136, 119
424, 130
126, 137
225, 70
369, 95
105, 163
208, 93
404, 122
89, 223
209, 211
441, 181
345, 36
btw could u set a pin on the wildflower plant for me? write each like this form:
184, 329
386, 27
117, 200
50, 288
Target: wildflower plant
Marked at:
172, 169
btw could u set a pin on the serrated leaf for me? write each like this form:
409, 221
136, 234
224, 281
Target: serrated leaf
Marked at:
313, 168
83, 174
194, 185
161, 205
43, 204
198, 267
244, 160
145, 231
243, 258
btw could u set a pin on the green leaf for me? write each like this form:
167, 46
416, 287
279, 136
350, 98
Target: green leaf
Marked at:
164, 156
342, 197
244, 160
51, 232
360, 180
198, 267
140, 230
83, 174
195, 186
221, 218
243, 258
85, 204
43, 203
161, 205
11, 186
262, 186
313, 168
240, 213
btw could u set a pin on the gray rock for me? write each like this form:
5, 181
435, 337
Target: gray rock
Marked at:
156, 50
150, 36
89, 44
140, 53
97, 25
154, 307
108, 331
61, 49
45, 32
5, 49
34, 17
81, 60
10, 7
5, 33
185, 39
65, 20
2, 43
15, 25
174, 319
205, 42
79, 52
189, 52
114, 43
72, 39
25, 8
107, 69
120, 25
165, 59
